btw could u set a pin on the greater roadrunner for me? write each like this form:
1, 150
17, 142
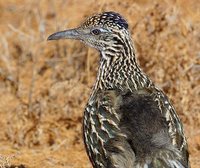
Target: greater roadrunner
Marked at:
128, 122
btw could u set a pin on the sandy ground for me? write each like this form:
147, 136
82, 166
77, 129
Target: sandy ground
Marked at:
44, 86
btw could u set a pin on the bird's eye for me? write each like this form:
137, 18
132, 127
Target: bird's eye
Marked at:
96, 31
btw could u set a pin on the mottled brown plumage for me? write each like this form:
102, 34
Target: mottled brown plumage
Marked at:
128, 121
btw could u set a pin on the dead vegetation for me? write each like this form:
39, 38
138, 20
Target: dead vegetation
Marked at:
44, 86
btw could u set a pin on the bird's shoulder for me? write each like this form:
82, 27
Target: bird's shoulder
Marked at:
149, 106
149, 120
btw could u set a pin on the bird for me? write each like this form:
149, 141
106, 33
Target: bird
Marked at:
128, 122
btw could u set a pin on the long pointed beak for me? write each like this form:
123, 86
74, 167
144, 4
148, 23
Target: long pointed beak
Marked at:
66, 34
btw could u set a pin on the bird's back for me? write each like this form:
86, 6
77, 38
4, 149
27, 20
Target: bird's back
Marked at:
132, 132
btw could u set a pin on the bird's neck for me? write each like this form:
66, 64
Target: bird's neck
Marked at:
120, 70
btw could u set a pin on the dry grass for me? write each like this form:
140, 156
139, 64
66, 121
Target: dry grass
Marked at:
44, 86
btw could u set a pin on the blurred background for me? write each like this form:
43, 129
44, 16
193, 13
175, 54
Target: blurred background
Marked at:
44, 86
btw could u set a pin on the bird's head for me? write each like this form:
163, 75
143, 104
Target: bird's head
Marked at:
100, 31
